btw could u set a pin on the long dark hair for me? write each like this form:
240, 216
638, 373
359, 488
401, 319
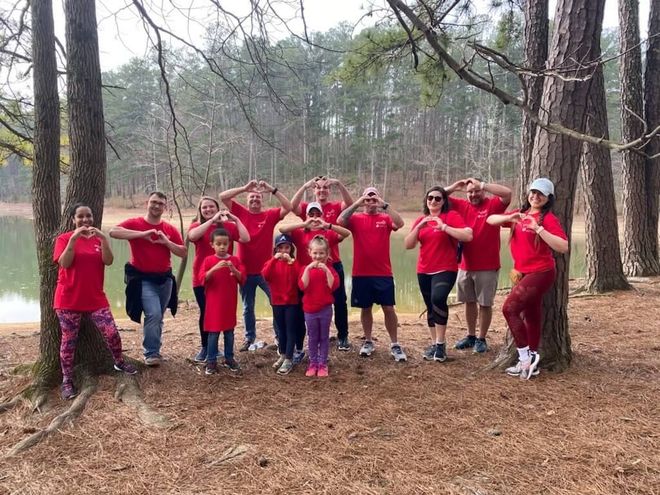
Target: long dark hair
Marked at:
445, 200
74, 209
544, 209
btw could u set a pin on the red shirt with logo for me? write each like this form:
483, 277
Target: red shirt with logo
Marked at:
530, 253
221, 291
203, 247
282, 278
80, 286
318, 295
437, 249
371, 244
302, 237
483, 252
148, 256
331, 212
260, 226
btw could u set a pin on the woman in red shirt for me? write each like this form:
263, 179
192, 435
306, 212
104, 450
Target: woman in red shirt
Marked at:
82, 255
210, 217
535, 234
438, 232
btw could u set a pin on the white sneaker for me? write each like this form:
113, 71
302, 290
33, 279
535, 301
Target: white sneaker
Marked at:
530, 369
367, 348
397, 353
518, 367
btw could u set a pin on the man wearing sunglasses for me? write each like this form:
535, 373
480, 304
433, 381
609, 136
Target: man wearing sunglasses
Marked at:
479, 269
373, 282
331, 210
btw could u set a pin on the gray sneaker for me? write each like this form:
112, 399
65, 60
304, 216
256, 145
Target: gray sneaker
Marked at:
397, 353
286, 367
429, 352
367, 348
153, 360
466, 342
480, 346
440, 353
343, 345
298, 356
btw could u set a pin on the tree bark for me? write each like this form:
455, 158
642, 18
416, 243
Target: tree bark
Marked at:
604, 268
535, 50
46, 181
87, 148
639, 257
652, 114
577, 26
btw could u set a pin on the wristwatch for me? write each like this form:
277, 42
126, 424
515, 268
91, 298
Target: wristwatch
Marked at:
386, 206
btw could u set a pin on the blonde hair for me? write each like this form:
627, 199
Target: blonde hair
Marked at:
199, 217
319, 240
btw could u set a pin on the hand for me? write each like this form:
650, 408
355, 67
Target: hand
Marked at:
285, 257
331, 182
162, 238
478, 185
83, 231
516, 217
459, 185
98, 233
313, 223
530, 223
251, 186
228, 214
225, 263
265, 186
427, 220
150, 235
278, 256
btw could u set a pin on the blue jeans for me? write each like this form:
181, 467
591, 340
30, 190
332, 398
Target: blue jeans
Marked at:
155, 298
248, 295
212, 349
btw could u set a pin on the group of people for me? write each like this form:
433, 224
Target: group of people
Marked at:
302, 274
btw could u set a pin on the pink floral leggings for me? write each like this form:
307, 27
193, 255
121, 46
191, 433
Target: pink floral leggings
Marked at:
70, 325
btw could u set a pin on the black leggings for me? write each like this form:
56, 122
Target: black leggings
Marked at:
435, 289
201, 302
288, 318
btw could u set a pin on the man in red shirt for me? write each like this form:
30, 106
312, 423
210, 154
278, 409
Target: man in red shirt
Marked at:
331, 211
260, 224
152, 242
478, 272
373, 282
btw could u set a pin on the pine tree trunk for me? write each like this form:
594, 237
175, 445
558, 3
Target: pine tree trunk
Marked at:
535, 49
578, 24
604, 268
46, 181
639, 256
652, 113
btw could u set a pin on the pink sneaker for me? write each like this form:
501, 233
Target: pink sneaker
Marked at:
311, 370
323, 370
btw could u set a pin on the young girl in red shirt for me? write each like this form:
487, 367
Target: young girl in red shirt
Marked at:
223, 273
281, 272
82, 255
318, 281
535, 234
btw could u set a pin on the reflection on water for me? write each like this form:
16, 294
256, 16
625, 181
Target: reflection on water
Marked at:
19, 296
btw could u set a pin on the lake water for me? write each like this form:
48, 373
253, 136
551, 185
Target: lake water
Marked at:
19, 287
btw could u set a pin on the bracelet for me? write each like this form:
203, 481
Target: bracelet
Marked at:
539, 230
483, 186
274, 191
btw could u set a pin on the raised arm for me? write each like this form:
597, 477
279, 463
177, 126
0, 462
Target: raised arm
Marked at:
347, 199
243, 234
498, 220
297, 198
503, 192
227, 196
284, 201
396, 217
346, 214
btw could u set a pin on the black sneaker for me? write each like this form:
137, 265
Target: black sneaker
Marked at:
246, 345
232, 364
466, 342
429, 352
211, 368
440, 354
343, 345
480, 346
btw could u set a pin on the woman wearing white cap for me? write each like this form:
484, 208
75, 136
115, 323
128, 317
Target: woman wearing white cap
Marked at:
535, 234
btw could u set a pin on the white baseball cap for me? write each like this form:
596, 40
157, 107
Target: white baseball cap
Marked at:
542, 185
313, 205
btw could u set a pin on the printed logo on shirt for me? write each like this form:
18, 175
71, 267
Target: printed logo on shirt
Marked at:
381, 224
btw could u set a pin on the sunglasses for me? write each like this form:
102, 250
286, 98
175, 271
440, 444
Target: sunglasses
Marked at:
432, 197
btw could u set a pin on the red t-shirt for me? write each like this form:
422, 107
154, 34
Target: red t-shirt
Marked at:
301, 238
282, 278
221, 291
80, 287
437, 249
371, 244
147, 256
260, 226
483, 251
331, 212
528, 255
203, 247
318, 295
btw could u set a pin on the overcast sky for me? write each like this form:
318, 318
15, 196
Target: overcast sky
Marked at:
122, 35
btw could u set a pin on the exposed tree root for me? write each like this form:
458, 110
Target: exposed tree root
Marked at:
506, 357
129, 392
10, 404
86, 391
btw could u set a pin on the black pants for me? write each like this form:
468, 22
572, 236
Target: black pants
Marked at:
288, 318
341, 307
200, 296
435, 289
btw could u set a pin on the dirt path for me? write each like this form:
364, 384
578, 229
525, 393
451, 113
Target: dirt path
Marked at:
372, 427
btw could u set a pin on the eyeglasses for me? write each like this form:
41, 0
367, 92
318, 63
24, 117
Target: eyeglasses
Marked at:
432, 197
